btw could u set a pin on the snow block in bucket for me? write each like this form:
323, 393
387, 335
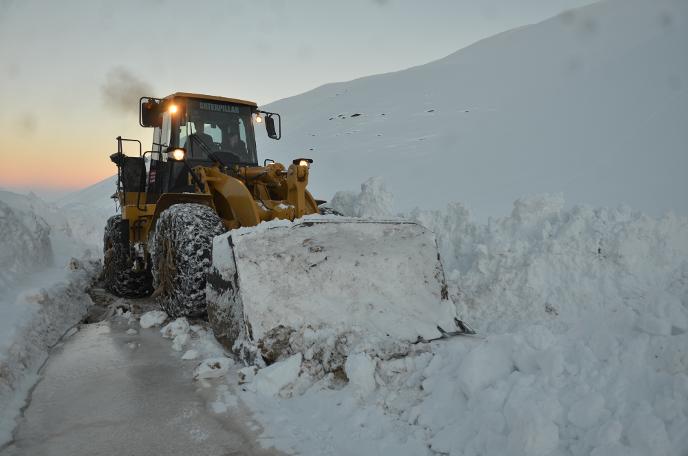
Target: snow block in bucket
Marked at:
379, 279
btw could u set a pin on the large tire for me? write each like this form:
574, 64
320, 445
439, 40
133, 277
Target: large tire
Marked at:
118, 275
181, 249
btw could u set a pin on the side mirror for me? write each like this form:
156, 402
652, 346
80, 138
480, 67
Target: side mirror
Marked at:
273, 133
149, 113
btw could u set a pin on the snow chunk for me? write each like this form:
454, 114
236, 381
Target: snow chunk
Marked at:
212, 368
177, 330
586, 411
386, 293
613, 449
177, 327
360, 370
179, 341
536, 436
609, 433
247, 374
373, 201
647, 432
190, 354
270, 380
485, 364
152, 318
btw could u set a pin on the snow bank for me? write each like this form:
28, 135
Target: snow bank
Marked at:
556, 266
591, 311
40, 317
36, 247
24, 244
73, 229
42, 292
583, 346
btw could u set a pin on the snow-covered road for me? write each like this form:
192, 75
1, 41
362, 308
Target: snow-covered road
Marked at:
107, 391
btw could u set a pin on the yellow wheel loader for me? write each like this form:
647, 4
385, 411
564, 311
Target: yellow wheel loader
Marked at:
183, 235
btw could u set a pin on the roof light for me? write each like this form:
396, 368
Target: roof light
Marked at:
303, 162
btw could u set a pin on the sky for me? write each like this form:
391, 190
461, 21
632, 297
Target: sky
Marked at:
71, 72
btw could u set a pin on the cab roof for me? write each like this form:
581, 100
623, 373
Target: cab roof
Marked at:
201, 96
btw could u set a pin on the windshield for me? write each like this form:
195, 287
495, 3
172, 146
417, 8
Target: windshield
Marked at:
223, 129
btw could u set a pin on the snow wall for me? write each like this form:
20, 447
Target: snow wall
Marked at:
24, 244
583, 344
42, 292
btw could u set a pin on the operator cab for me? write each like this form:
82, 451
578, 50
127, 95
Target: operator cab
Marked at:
210, 130
224, 129
205, 126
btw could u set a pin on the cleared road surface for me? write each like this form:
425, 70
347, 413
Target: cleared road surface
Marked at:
108, 393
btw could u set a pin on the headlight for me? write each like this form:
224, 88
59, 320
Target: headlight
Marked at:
173, 109
259, 119
303, 162
176, 154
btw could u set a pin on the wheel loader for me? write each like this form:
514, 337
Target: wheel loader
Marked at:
184, 235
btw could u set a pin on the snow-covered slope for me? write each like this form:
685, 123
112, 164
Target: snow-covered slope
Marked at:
97, 195
592, 103
88, 209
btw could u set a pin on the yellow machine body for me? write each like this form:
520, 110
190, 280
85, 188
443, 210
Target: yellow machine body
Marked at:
373, 283
241, 195
244, 197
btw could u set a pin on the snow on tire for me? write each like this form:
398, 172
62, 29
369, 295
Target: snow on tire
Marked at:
181, 249
119, 277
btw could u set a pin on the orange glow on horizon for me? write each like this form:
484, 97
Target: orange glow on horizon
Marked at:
53, 159
68, 170
47, 181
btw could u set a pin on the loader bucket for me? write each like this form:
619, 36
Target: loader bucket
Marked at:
379, 279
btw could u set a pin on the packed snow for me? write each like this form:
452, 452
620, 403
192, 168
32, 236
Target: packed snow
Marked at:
583, 347
352, 283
